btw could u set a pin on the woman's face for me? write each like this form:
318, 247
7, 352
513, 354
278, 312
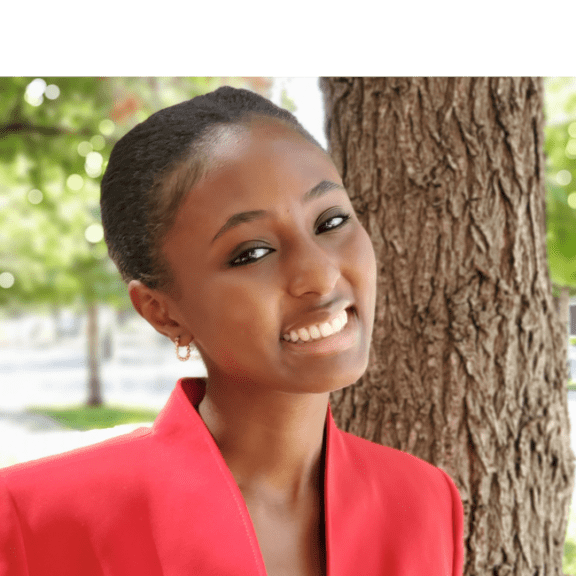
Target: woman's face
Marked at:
268, 246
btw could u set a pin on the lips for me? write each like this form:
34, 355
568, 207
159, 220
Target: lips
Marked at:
348, 338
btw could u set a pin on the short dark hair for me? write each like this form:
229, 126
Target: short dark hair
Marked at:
154, 165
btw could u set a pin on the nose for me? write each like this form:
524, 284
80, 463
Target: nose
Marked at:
311, 270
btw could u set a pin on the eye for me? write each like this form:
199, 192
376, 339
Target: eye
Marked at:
250, 255
333, 222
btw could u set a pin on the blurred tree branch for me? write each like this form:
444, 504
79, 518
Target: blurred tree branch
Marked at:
26, 127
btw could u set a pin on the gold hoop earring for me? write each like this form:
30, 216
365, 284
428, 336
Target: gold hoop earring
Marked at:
182, 358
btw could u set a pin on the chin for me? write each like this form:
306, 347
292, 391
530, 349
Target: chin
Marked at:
325, 383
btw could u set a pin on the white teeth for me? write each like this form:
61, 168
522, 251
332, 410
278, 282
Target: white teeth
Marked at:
304, 334
318, 331
325, 329
314, 332
336, 324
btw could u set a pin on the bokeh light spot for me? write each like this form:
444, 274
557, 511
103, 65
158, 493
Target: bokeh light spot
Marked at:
571, 148
572, 200
52, 92
6, 280
35, 196
93, 165
107, 127
94, 159
75, 182
572, 130
34, 94
97, 142
94, 233
563, 177
84, 148
93, 172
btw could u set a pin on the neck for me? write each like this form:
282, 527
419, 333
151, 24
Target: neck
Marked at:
272, 442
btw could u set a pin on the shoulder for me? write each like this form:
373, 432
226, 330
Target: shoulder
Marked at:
400, 472
111, 457
73, 496
404, 503
379, 457
410, 497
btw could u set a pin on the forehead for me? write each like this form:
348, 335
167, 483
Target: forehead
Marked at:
259, 143
255, 166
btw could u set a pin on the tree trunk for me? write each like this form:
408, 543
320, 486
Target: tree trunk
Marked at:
94, 384
562, 305
467, 368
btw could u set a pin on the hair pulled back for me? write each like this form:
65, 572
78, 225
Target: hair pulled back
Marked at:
154, 165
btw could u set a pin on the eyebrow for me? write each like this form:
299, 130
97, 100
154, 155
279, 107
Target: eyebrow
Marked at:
319, 190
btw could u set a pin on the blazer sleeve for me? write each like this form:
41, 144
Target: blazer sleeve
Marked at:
12, 554
457, 527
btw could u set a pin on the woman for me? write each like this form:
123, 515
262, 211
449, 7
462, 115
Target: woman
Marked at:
233, 230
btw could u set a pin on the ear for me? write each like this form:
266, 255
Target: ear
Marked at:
154, 307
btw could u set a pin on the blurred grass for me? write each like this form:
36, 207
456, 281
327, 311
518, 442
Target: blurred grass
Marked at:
89, 417
569, 559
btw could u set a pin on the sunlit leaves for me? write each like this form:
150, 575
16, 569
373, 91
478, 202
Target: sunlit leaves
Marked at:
56, 135
49, 192
560, 146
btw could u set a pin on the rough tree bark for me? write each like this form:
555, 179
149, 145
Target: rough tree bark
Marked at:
468, 368
562, 306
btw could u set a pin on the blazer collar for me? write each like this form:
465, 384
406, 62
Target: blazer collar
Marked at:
180, 419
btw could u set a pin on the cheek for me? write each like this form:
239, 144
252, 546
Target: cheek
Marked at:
250, 312
232, 313
362, 265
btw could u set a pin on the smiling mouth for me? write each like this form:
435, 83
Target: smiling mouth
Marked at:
316, 332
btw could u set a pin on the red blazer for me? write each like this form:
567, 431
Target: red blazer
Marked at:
162, 502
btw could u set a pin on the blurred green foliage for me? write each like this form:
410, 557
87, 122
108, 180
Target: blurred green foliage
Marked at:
43, 221
560, 148
56, 135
